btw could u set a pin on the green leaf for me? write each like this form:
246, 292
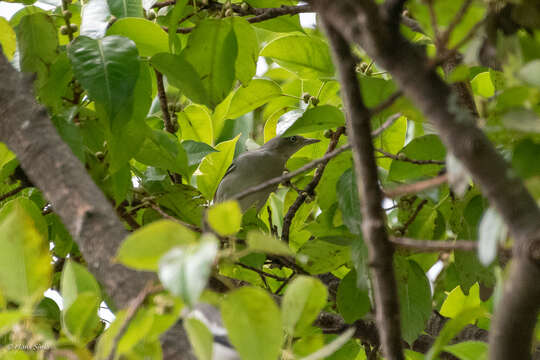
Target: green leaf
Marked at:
200, 337
142, 249
530, 73
391, 140
95, 17
428, 147
304, 298
262, 242
414, 297
107, 69
8, 318
491, 232
148, 36
125, 8
7, 39
30, 209
25, 263
258, 93
55, 86
524, 158
452, 328
37, 42
352, 302
468, 350
76, 279
318, 118
173, 20
164, 151
253, 322
281, 23
196, 124
196, 151
349, 202
214, 166
212, 50
185, 270
457, 301
80, 320
225, 218
185, 201
318, 257
482, 85
182, 75
248, 50
310, 58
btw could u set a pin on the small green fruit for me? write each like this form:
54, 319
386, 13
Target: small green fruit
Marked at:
244, 6
328, 133
151, 15
314, 101
63, 30
306, 97
74, 28
67, 14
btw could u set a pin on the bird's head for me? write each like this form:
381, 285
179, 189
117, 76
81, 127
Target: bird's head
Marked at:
288, 145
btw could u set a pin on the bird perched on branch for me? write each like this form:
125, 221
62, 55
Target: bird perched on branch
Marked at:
257, 166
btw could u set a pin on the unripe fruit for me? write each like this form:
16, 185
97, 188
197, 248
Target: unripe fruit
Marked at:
244, 6
67, 14
314, 101
306, 97
328, 133
63, 30
151, 15
401, 156
229, 12
74, 27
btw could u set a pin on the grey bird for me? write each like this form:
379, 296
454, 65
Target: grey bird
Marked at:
257, 166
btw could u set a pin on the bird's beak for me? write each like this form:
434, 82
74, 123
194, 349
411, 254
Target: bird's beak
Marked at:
311, 141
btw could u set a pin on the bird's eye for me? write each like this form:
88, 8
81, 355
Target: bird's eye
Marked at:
293, 139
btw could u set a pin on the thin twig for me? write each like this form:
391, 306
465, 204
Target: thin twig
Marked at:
130, 220
135, 304
386, 103
261, 272
416, 187
407, 159
445, 36
12, 192
283, 284
163, 103
385, 125
169, 217
433, 245
410, 220
310, 188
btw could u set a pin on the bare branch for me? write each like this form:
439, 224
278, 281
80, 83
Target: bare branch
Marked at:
416, 187
407, 159
10, 193
373, 221
433, 245
386, 103
361, 22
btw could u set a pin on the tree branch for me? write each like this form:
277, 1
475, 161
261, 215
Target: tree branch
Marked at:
10, 193
26, 129
360, 22
373, 221
433, 245
401, 157
416, 187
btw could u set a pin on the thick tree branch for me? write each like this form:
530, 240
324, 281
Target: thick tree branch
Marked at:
26, 129
360, 22
373, 223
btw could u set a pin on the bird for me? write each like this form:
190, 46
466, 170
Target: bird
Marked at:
257, 166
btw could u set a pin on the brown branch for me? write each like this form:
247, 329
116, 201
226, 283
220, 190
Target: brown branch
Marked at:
401, 157
10, 193
386, 103
361, 22
310, 188
134, 305
433, 245
157, 208
410, 220
416, 187
167, 123
445, 36
373, 220
261, 272
89, 217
